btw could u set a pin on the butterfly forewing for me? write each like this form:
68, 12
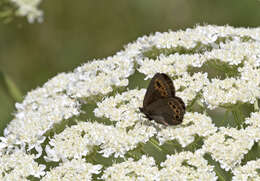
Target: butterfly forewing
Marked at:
168, 111
161, 86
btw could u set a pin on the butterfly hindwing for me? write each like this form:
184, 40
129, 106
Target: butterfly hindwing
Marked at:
167, 111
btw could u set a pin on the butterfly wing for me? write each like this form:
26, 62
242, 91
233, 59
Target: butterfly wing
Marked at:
161, 86
167, 111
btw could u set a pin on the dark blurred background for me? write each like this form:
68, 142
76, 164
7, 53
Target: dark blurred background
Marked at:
74, 32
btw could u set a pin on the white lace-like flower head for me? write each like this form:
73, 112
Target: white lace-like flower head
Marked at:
87, 125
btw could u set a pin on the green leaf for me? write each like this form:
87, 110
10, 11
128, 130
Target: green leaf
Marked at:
196, 144
220, 172
252, 154
7, 11
154, 151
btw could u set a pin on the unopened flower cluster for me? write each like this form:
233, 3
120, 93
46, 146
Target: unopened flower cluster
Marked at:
48, 124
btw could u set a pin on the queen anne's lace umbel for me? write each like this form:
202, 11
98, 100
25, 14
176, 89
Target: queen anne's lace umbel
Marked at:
90, 117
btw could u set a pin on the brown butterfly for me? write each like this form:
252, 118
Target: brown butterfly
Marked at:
160, 102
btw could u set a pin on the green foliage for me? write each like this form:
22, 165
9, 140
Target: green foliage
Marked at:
220, 172
154, 52
7, 11
217, 69
253, 154
9, 87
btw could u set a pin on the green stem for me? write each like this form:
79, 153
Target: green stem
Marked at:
91, 159
92, 156
226, 114
189, 107
129, 154
155, 144
192, 146
236, 118
256, 107
154, 141
225, 117
10, 87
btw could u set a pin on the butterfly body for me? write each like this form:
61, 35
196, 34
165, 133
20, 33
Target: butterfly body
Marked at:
160, 103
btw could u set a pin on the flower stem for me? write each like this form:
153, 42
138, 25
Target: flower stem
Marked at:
129, 154
256, 107
237, 117
155, 144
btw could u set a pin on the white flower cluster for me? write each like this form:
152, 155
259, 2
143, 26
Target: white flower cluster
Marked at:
182, 166
193, 123
122, 108
19, 165
78, 140
228, 146
192, 85
232, 90
62, 97
254, 120
58, 98
254, 125
30, 9
190, 37
233, 52
99, 76
76, 169
174, 64
143, 169
250, 171
186, 166
36, 115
